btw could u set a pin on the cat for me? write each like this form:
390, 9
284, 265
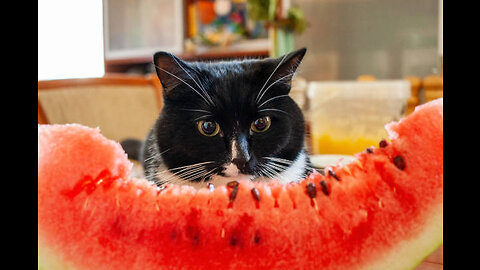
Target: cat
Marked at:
225, 121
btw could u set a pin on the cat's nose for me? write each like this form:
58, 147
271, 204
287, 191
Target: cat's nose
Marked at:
240, 163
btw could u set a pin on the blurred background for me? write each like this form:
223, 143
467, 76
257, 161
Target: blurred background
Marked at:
368, 62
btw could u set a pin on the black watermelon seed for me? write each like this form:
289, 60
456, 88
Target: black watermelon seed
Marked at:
383, 143
256, 239
399, 162
233, 241
256, 194
233, 195
369, 150
196, 239
173, 235
210, 186
232, 184
324, 187
333, 174
311, 190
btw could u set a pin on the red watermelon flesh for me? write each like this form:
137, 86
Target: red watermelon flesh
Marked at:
383, 211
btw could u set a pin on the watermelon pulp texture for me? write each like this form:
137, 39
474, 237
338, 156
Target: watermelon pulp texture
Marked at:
381, 211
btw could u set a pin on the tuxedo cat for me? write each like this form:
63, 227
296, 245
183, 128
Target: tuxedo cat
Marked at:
226, 121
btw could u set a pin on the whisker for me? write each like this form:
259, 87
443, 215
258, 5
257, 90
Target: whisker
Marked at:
270, 99
278, 166
183, 175
271, 173
193, 176
276, 110
196, 110
286, 162
208, 174
274, 172
186, 84
281, 160
194, 164
265, 172
265, 91
199, 86
202, 117
281, 61
179, 170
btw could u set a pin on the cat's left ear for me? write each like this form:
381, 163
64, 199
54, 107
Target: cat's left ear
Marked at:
171, 71
286, 65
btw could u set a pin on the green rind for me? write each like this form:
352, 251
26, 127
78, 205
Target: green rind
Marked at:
48, 260
414, 251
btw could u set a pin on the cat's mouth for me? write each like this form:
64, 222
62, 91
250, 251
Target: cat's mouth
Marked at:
231, 172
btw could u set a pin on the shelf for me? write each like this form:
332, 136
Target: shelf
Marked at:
247, 49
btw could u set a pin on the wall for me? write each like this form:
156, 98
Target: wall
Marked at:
385, 38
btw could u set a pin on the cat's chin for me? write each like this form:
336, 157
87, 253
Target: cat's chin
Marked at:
219, 180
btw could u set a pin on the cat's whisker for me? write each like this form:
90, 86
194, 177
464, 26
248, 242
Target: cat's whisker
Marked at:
203, 174
185, 173
199, 86
168, 178
193, 176
281, 61
279, 159
265, 91
202, 117
178, 179
208, 174
289, 163
270, 99
208, 102
277, 166
190, 172
158, 154
276, 110
274, 172
270, 172
263, 171
191, 165
174, 172
195, 110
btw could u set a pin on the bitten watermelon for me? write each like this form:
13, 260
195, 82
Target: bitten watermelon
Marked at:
383, 211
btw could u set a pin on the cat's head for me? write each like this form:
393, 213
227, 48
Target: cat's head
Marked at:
229, 120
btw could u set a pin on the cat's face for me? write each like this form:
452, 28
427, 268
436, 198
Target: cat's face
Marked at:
229, 121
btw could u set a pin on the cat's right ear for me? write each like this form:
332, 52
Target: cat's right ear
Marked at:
171, 71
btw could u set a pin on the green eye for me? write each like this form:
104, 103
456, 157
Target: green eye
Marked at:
261, 124
208, 128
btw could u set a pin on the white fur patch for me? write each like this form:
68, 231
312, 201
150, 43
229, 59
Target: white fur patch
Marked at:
234, 150
296, 170
231, 170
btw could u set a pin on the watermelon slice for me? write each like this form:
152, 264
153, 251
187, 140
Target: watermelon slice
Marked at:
382, 211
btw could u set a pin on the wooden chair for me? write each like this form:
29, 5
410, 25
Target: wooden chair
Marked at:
433, 86
123, 106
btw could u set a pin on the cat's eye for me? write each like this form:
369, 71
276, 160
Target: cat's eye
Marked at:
208, 128
261, 124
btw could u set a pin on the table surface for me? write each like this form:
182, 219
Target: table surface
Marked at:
432, 262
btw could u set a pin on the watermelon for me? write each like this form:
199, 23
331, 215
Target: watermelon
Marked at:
382, 211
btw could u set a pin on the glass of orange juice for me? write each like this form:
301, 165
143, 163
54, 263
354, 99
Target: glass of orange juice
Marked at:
346, 117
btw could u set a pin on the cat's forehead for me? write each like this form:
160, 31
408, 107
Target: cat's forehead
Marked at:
229, 69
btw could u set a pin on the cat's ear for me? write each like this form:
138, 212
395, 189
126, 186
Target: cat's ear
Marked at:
170, 70
286, 65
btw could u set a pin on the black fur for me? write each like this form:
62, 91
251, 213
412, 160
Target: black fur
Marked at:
229, 91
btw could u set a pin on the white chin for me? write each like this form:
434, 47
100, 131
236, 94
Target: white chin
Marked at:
218, 180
